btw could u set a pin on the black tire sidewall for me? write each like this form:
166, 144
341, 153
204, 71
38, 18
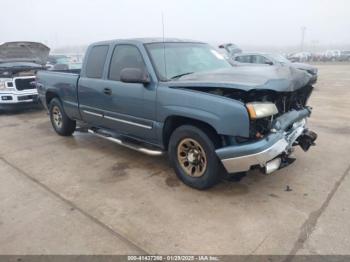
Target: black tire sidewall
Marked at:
68, 125
212, 174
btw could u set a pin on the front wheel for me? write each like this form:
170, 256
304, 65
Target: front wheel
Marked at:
62, 124
193, 157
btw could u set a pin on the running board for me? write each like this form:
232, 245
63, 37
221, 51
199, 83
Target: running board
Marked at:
136, 147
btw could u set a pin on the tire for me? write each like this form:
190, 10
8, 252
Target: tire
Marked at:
62, 124
189, 143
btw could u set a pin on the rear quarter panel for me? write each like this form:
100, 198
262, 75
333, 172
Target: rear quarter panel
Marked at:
64, 86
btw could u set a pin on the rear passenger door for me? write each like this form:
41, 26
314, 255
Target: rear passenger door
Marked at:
130, 107
90, 89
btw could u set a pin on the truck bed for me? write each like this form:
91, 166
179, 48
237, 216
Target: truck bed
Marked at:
63, 84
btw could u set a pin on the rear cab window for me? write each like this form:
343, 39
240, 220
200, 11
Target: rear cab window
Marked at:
96, 61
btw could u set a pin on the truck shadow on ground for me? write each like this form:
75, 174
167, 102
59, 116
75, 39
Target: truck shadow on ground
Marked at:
122, 165
25, 111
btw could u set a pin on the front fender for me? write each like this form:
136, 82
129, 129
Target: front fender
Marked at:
225, 115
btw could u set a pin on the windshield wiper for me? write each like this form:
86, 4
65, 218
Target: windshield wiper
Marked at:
180, 75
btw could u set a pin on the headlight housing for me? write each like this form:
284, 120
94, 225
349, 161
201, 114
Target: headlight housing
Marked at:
258, 110
3, 83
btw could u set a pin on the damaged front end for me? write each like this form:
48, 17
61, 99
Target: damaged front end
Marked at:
272, 150
284, 102
271, 138
277, 124
276, 102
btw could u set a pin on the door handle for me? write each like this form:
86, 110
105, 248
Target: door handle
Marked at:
107, 91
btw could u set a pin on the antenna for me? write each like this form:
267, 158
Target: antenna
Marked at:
164, 56
303, 29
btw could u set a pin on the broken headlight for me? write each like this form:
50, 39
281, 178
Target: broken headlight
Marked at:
259, 110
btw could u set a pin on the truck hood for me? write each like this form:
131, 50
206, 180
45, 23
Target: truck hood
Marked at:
24, 52
280, 79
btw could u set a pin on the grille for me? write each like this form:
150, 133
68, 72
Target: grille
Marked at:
24, 83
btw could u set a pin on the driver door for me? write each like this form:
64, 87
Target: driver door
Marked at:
129, 108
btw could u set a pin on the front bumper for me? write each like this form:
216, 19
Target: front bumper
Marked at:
286, 130
16, 97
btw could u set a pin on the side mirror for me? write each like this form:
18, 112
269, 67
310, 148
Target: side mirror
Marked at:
134, 75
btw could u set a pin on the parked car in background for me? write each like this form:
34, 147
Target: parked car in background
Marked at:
300, 57
269, 59
19, 62
331, 55
57, 59
64, 62
184, 98
230, 49
344, 56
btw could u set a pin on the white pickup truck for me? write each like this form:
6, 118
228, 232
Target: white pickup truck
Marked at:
19, 62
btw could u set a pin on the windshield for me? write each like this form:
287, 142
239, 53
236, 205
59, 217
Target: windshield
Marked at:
233, 49
173, 60
279, 58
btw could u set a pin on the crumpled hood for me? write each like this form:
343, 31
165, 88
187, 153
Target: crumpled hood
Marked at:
280, 79
24, 52
304, 66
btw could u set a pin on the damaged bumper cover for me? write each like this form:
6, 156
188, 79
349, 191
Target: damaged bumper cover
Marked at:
288, 130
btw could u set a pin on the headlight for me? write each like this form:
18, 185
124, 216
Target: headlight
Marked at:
3, 83
261, 109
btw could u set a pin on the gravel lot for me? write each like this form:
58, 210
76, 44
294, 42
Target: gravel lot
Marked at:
84, 195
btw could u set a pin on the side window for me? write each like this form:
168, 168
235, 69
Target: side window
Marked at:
244, 59
96, 61
258, 59
124, 56
238, 58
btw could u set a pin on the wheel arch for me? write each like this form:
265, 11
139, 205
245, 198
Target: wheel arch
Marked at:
175, 121
50, 94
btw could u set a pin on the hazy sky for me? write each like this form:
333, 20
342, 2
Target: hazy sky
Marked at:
248, 22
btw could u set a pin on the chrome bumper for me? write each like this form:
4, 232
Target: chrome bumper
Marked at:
241, 158
243, 163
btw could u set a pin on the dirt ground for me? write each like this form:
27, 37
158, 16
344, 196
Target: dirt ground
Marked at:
85, 195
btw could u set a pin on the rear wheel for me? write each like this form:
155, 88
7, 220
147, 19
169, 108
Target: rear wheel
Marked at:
193, 157
62, 124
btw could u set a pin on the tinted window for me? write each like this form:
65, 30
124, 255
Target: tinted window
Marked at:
258, 59
244, 59
96, 61
124, 56
238, 58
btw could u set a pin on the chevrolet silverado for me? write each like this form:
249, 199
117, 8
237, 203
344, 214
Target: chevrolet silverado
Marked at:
182, 97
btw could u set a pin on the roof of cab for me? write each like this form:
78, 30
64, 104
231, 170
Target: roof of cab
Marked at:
252, 53
148, 40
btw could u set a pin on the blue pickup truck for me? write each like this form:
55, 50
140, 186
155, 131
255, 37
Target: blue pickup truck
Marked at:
182, 97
